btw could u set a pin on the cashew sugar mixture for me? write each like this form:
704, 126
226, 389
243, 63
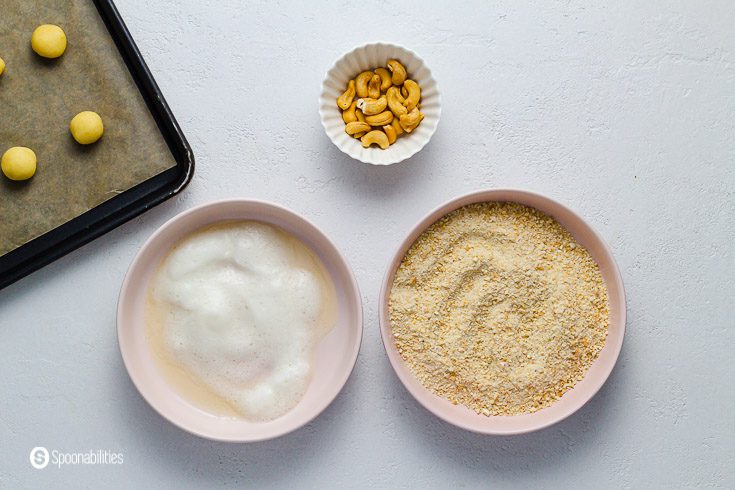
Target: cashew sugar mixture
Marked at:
496, 307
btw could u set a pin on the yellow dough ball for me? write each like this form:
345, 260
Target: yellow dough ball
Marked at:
86, 127
48, 41
19, 163
2, 66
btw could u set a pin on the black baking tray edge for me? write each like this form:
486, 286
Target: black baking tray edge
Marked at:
125, 206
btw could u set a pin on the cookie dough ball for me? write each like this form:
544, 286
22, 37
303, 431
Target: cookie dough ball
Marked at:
19, 163
2, 66
86, 127
48, 41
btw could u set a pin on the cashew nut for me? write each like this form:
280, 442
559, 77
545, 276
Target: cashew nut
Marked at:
414, 94
387, 105
396, 124
348, 115
385, 81
374, 87
376, 137
356, 127
411, 120
395, 102
370, 107
398, 71
390, 133
385, 117
362, 83
344, 100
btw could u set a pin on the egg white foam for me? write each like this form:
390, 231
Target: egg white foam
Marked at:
241, 315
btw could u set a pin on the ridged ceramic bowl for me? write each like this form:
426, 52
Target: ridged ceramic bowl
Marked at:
334, 358
369, 57
573, 399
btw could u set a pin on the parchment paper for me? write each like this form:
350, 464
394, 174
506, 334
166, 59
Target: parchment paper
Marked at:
39, 97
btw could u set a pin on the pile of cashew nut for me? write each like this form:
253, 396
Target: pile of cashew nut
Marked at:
387, 105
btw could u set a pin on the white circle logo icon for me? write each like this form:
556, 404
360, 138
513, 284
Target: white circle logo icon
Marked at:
39, 457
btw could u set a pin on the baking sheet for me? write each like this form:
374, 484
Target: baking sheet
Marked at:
38, 98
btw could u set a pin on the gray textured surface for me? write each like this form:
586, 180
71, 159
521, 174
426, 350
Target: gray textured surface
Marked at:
623, 111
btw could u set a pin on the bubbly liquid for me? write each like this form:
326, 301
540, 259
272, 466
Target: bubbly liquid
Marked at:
234, 315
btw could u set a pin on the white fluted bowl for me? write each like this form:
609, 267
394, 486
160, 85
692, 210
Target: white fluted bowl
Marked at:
369, 57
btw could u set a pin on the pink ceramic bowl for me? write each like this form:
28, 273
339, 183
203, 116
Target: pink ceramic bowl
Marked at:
335, 356
466, 418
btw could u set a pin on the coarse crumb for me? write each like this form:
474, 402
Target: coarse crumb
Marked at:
498, 308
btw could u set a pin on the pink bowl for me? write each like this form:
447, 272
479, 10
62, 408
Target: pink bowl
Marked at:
572, 400
335, 356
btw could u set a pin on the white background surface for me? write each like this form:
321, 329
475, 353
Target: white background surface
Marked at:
624, 111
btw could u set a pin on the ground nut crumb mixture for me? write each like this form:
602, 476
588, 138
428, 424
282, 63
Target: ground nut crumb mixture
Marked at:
496, 307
